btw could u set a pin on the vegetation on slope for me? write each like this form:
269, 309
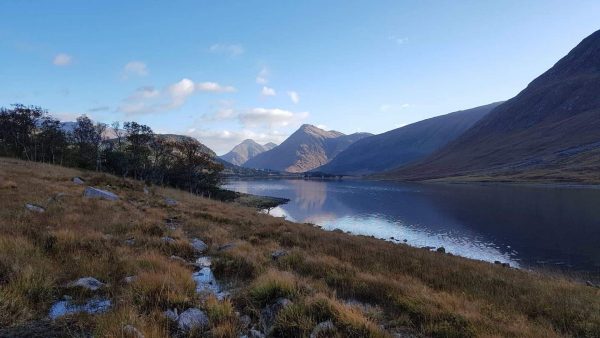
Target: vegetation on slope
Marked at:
364, 286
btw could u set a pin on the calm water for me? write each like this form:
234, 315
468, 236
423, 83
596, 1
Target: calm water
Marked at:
526, 226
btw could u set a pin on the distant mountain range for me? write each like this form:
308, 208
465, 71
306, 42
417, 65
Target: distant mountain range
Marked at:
549, 131
403, 145
245, 151
306, 149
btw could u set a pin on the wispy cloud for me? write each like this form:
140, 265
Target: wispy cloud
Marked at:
294, 96
221, 141
62, 60
270, 117
267, 91
137, 68
146, 100
228, 49
262, 77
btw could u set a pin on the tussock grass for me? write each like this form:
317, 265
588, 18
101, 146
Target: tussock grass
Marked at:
364, 286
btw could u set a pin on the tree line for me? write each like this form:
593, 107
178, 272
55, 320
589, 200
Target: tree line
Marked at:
128, 150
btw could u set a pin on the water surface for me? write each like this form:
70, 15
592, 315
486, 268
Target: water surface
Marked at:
546, 227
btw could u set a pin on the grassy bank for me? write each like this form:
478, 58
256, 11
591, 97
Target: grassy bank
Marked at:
366, 287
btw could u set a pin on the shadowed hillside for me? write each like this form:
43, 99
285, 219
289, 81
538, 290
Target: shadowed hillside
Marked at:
549, 131
403, 145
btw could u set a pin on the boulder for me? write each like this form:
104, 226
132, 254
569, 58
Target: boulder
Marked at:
131, 331
323, 329
206, 283
34, 208
66, 307
89, 283
441, 249
198, 245
91, 192
171, 315
168, 240
170, 202
204, 262
278, 254
192, 319
78, 180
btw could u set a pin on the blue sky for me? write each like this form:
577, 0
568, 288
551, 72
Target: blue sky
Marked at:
223, 71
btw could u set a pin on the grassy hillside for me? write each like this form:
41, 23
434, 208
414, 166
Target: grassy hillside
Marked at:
366, 287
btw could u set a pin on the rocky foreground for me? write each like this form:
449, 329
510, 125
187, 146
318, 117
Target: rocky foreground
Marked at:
86, 254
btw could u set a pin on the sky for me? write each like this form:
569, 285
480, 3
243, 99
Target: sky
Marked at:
224, 71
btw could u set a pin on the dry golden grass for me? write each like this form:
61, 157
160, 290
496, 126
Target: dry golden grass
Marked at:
366, 287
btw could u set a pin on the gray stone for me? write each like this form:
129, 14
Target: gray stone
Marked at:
170, 202
78, 180
34, 208
192, 319
204, 261
89, 283
91, 192
256, 334
198, 245
278, 254
245, 321
441, 249
168, 240
65, 307
130, 279
206, 283
130, 241
146, 191
322, 329
131, 331
171, 315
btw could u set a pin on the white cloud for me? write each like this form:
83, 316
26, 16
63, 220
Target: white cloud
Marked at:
214, 87
270, 117
138, 68
147, 100
62, 60
222, 141
261, 78
294, 96
266, 91
229, 49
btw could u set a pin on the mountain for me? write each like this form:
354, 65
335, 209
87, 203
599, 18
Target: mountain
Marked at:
307, 148
246, 150
404, 145
549, 131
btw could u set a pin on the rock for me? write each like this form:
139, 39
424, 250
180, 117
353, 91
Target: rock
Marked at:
589, 283
322, 329
34, 208
192, 319
171, 315
146, 191
130, 279
441, 249
269, 313
497, 262
170, 202
78, 180
89, 283
245, 321
206, 283
278, 254
168, 240
204, 261
256, 334
91, 192
198, 245
225, 247
130, 331
65, 308
405, 240
506, 265
130, 241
